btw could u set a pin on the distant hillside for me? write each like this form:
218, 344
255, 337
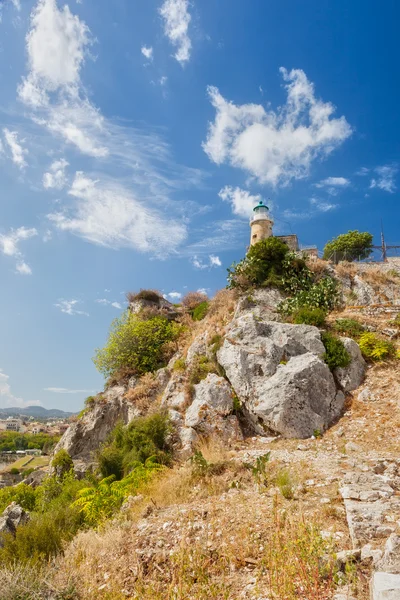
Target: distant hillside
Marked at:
38, 412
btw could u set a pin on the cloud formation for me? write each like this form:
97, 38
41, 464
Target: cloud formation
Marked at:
9, 245
176, 17
18, 152
106, 302
385, 179
147, 52
213, 261
61, 390
56, 177
68, 307
7, 398
275, 147
242, 201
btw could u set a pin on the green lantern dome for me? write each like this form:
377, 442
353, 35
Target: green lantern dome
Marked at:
260, 205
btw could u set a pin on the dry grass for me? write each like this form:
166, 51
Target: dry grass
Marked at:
375, 276
31, 582
346, 269
318, 266
207, 552
143, 394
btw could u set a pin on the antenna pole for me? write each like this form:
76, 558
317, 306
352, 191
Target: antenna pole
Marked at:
384, 253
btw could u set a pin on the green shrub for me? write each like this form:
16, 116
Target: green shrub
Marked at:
62, 463
111, 461
375, 348
22, 494
179, 364
141, 346
216, 343
336, 354
353, 245
323, 294
200, 311
200, 368
349, 327
261, 267
14, 471
100, 502
309, 316
284, 481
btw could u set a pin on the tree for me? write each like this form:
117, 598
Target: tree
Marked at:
262, 266
353, 245
62, 463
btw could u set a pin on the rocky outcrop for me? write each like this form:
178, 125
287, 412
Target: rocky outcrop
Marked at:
351, 377
86, 435
13, 516
277, 372
211, 410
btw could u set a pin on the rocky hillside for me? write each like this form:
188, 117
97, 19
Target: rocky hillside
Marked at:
247, 387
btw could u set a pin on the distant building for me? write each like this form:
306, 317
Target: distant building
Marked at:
12, 424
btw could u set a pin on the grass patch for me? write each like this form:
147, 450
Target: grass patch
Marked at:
349, 327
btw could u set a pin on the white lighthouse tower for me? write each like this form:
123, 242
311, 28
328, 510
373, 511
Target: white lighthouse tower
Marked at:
261, 223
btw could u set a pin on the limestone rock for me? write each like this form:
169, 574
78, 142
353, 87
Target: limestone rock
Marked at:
385, 586
262, 303
173, 396
199, 347
210, 411
13, 516
390, 562
188, 438
351, 377
86, 435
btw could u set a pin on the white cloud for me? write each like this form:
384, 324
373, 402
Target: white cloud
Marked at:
386, 178
23, 269
18, 152
68, 307
9, 245
275, 147
176, 24
108, 302
16, 4
204, 291
333, 181
316, 206
363, 171
61, 390
242, 201
163, 80
147, 52
56, 177
56, 46
174, 295
213, 261
108, 214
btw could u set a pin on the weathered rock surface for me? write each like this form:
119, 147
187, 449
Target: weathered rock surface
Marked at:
210, 411
351, 377
277, 372
90, 431
300, 398
385, 586
13, 516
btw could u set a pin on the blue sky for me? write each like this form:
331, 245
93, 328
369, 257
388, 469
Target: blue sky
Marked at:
135, 137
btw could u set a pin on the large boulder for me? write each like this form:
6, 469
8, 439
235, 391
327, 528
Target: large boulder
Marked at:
13, 516
210, 413
253, 350
277, 371
351, 377
300, 398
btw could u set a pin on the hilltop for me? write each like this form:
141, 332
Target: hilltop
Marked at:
39, 412
255, 447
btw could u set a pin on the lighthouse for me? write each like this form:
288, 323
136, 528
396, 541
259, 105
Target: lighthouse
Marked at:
260, 224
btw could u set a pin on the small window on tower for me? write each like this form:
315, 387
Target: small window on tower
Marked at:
255, 236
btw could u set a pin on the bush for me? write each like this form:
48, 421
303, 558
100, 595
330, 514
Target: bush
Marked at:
200, 368
111, 461
149, 295
62, 463
137, 345
336, 354
193, 299
14, 471
323, 294
22, 494
200, 311
353, 245
179, 364
309, 316
375, 348
349, 327
262, 266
